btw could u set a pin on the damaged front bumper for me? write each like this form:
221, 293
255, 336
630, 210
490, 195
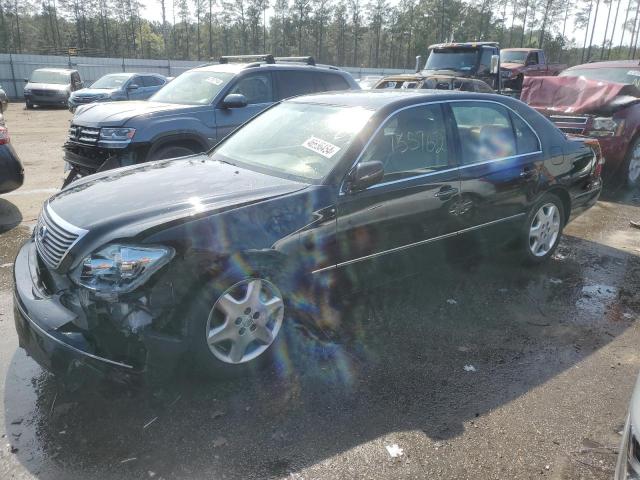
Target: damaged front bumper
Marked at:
48, 330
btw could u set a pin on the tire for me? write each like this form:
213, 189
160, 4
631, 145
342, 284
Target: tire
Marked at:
518, 83
229, 313
631, 170
547, 218
171, 151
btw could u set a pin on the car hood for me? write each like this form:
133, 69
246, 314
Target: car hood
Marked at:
94, 91
511, 66
117, 114
47, 86
153, 193
577, 95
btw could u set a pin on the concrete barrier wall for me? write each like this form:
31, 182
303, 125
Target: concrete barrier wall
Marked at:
14, 68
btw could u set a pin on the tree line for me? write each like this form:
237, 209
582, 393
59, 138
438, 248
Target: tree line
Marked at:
371, 33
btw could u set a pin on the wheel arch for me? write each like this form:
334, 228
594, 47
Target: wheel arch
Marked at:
565, 198
188, 140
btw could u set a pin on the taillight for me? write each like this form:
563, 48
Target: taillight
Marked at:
4, 136
598, 158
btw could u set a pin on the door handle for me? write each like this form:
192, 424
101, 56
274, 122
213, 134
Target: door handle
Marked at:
446, 192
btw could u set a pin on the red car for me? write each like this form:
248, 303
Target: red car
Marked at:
601, 100
518, 63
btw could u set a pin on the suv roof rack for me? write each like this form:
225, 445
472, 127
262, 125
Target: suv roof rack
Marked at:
266, 58
306, 60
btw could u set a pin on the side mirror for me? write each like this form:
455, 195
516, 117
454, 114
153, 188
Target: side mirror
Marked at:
234, 100
133, 86
495, 64
365, 175
418, 61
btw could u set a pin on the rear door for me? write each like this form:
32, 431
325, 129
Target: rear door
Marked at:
257, 87
391, 225
501, 159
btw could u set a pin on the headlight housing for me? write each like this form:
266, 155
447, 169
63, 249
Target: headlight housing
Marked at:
117, 134
605, 127
121, 268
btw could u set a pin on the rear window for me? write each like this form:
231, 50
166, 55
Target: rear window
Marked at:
293, 83
333, 82
150, 81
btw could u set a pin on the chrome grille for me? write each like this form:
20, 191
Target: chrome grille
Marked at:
54, 237
573, 130
560, 119
85, 135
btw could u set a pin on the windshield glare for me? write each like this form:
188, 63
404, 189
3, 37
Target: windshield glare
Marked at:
111, 81
452, 59
43, 76
513, 57
295, 140
193, 88
618, 74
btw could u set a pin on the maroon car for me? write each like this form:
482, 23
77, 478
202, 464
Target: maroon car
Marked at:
601, 100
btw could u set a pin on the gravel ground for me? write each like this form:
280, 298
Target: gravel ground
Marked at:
487, 371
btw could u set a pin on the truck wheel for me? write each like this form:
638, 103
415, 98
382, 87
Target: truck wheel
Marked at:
171, 151
518, 82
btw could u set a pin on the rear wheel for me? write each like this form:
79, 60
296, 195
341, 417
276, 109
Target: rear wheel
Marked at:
171, 151
543, 229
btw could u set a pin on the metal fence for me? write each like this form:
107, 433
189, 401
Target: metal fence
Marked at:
15, 68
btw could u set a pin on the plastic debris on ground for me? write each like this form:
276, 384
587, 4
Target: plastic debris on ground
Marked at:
469, 368
394, 450
451, 301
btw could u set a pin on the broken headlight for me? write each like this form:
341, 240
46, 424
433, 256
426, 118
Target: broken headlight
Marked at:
605, 127
121, 268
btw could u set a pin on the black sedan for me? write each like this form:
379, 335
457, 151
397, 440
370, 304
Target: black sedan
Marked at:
11, 170
212, 256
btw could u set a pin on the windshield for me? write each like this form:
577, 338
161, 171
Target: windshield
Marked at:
618, 74
462, 59
295, 140
111, 81
193, 88
513, 56
46, 76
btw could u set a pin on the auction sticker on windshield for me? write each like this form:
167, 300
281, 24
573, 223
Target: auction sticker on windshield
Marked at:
215, 80
318, 145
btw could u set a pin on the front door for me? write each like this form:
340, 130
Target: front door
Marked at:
387, 228
258, 90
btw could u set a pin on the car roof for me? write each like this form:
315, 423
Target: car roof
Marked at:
379, 99
65, 70
610, 64
520, 49
239, 67
463, 45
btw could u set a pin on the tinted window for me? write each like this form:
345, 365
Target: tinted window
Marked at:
150, 81
256, 88
533, 58
485, 131
526, 140
485, 60
334, 82
294, 83
412, 142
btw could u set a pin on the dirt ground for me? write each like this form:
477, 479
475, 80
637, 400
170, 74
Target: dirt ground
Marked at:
482, 371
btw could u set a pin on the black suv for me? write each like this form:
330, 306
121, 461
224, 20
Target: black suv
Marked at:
193, 112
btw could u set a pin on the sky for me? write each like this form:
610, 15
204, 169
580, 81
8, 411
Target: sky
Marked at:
152, 12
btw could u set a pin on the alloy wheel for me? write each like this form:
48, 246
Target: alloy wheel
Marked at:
245, 321
544, 230
633, 173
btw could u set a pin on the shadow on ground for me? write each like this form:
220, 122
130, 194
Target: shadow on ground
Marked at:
400, 366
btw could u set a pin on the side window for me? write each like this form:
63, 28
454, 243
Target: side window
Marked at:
526, 140
485, 131
257, 88
151, 81
533, 58
292, 83
485, 60
333, 82
412, 142
541, 58
137, 80
75, 78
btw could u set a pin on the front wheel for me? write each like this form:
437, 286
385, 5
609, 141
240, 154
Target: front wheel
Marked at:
236, 324
632, 170
171, 151
543, 229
